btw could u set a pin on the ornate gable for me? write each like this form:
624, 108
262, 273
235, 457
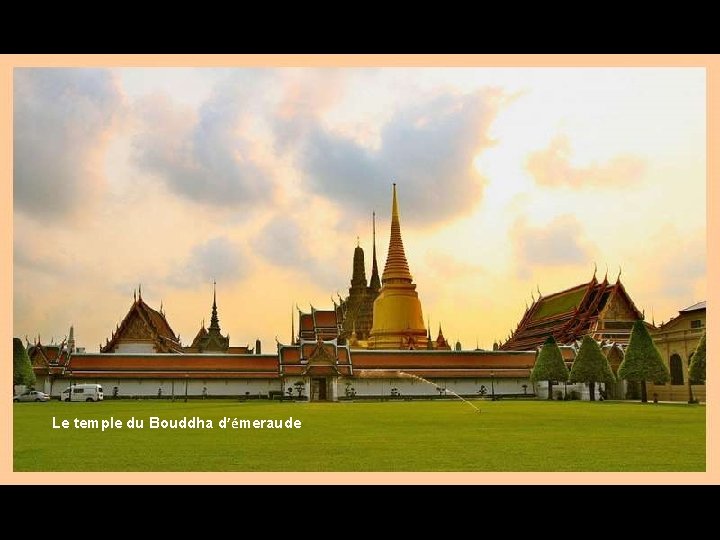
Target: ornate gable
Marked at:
142, 330
620, 307
322, 360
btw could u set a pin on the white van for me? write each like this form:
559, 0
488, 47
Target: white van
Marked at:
82, 392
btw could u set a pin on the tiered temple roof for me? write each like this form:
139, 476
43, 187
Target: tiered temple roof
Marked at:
143, 324
325, 324
210, 339
49, 359
317, 358
600, 309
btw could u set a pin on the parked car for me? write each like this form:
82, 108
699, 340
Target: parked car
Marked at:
32, 395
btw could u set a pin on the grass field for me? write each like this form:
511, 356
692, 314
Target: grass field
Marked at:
373, 436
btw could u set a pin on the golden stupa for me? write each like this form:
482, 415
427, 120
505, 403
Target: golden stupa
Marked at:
397, 313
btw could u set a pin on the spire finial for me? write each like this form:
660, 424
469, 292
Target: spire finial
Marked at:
619, 274
396, 265
292, 326
358, 241
375, 276
538, 290
606, 272
214, 321
595, 269
139, 291
134, 296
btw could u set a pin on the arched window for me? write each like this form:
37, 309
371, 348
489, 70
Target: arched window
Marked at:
676, 370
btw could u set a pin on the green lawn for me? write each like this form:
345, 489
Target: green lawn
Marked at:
388, 436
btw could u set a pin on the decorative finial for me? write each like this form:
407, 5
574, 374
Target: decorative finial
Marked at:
140, 291
606, 272
619, 274
595, 269
532, 296
358, 241
134, 296
375, 275
538, 290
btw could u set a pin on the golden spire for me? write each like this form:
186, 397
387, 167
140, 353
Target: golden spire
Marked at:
396, 265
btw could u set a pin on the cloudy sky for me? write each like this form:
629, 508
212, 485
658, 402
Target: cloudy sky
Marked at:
262, 179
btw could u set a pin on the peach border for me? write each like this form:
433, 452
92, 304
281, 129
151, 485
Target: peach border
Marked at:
7, 476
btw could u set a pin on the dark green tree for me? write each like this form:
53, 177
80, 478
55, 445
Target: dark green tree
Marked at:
591, 366
549, 365
642, 360
22, 370
697, 365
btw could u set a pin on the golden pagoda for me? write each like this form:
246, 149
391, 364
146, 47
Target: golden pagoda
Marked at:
397, 313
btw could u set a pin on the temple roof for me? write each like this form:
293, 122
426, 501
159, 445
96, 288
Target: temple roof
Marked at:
559, 303
47, 355
175, 365
570, 314
143, 322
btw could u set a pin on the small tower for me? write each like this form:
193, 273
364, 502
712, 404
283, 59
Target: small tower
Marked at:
441, 341
212, 340
71, 340
358, 281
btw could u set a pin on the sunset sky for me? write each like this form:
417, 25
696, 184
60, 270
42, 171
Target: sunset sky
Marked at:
262, 179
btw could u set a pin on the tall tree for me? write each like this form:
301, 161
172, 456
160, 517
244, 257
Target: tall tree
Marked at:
642, 360
696, 371
22, 370
591, 366
549, 365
